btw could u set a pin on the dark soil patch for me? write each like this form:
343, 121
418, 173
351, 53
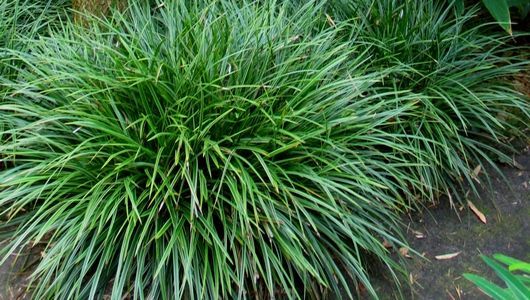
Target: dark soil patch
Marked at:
450, 230
13, 280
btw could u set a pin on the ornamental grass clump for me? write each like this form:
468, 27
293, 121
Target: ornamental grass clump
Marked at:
468, 110
227, 149
201, 151
21, 21
13, 20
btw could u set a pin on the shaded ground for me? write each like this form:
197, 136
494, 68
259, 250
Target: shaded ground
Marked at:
442, 230
12, 283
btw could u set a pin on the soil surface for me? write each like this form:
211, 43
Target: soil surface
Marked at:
444, 230
13, 281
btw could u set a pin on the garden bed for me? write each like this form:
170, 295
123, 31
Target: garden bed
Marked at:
232, 149
441, 231
506, 206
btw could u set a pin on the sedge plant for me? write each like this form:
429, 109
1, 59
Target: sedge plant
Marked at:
243, 149
20, 22
468, 110
198, 151
514, 273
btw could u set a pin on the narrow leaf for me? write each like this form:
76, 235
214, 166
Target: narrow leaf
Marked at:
477, 212
447, 256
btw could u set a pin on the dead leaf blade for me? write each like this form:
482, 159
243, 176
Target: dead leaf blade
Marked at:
477, 212
404, 251
447, 256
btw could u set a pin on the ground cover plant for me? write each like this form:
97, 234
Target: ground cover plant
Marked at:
241, 149
22, 20
198, 152
467, 109
514, 273
500, 10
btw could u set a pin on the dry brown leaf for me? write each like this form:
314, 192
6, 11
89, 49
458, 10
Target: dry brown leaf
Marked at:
447, 256
477, 170
387, 244
517, 165
330, 21
477, 212
404, 251
475, 173
451, 203
459, 292
450, 295
418, 234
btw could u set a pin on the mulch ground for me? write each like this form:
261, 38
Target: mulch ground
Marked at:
445, 230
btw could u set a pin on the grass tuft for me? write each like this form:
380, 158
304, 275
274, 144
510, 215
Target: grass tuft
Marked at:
240, 149
467, 110
197, 151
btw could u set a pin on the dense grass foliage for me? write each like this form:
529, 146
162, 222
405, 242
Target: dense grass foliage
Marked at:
514, 273
236, 149
17, 17
199, 151
20, 22
467, 110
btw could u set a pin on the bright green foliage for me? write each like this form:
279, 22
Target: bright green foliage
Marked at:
500, 10
236, 149
11, 25
465, 114
514, 273
18, 17
200, 151
21, 21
